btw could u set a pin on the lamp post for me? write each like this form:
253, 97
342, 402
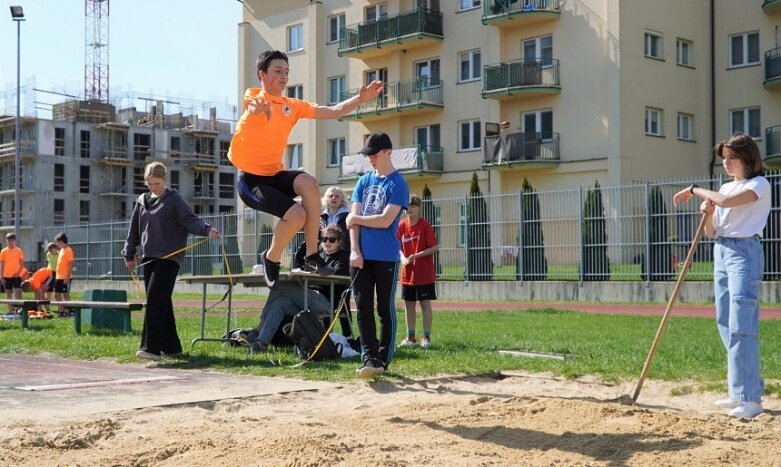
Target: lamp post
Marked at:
17, 14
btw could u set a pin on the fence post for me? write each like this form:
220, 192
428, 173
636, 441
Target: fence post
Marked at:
521, 240
645, 266
580, 238
466, 238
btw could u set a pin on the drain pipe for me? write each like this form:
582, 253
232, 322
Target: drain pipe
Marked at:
712, 85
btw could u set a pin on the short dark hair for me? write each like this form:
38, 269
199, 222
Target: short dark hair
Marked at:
61, 237
747, 151
265, 58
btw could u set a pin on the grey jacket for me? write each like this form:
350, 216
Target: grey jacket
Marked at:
161, 226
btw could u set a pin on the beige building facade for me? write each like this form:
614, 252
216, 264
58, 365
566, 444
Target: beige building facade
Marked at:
561, 92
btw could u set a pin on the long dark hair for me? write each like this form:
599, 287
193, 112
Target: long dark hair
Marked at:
746, 149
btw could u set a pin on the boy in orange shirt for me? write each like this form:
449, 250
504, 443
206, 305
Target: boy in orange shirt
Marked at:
11, 266
39, 283
257, 148
64, 271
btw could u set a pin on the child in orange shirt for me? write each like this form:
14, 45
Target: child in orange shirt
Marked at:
64, 271
11, 266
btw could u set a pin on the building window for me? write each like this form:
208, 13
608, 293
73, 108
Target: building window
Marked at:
295, 158
295, 38
653, 122
470, 65
746, 121
336, 150
84, 179
683, 52
744, 49
59, 212
335, 25
141, 144
139, 187
685, 125
296, 92
653, 45
428, 138
540, 123
469, 135
336, 86
173, 179
227, 186
83, 211
59, 177
469, 4
427, 69
176, 147
59, 141
84, 144
539, 49
373, 12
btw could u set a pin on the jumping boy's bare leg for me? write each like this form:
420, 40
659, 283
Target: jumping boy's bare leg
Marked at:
306, 186
286, 229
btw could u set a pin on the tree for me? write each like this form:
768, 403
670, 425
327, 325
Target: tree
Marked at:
428, 212
532, 243
478, 236
595, 264
660, 265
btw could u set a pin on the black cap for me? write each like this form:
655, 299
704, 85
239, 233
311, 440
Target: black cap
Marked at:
375, 143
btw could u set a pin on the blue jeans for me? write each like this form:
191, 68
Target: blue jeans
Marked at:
284, 302
738, 266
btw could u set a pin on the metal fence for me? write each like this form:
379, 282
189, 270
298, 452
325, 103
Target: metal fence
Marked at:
618, 233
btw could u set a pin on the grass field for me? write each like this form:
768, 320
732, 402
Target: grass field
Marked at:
609, 346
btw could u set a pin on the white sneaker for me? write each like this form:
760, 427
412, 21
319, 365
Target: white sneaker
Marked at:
727, 403
407, 342
144, 355
746, 410
425, 343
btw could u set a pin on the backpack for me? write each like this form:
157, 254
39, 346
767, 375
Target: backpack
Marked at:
305, 331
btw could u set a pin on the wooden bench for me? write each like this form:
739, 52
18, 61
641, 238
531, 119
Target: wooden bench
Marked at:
120, 307
25, 305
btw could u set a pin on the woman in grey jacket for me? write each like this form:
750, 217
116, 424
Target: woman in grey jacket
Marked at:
160, 223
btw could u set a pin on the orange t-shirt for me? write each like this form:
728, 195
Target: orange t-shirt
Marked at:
39, 277
65, 263
12, 259
259, 143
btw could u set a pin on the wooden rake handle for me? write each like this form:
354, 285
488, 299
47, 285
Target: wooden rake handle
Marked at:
670, 303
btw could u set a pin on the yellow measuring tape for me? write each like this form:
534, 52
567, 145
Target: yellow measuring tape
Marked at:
134, 275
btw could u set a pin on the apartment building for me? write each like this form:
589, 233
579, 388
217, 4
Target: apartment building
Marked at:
561, 92
86, 165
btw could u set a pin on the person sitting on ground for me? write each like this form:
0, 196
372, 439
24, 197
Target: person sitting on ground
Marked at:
39, 284
335, 256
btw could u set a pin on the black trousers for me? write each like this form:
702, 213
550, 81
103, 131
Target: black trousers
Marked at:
379, 276
159, 332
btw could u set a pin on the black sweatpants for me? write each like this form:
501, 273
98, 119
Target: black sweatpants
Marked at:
159, 332
379, 276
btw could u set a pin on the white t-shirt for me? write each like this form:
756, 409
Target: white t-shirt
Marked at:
748, 219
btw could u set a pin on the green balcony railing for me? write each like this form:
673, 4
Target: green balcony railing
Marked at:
397, 95
517, 147
773, 142
416, 22
510, 8
773, 67
523, 73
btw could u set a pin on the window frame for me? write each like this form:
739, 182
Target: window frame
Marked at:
746, 111
332, 143
294, 150
475, 135
689, 119
745, 41
475, 74
299, 37
679, 52
295, 91
649, 111
540, 49
648, 45
342, 87
340, 24
474, 4
59, 141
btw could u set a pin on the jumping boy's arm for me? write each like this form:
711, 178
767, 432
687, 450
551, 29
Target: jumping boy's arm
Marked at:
365, 94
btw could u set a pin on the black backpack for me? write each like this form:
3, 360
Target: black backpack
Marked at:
305, 331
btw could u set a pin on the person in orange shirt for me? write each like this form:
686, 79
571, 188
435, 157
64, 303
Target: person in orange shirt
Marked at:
257, 148
11, 266
39, 283
64, 271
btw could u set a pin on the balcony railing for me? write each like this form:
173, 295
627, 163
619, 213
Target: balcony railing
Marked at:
398, 96
772, 68
412, 24
8, 150
417, 159
773, 145
524, 76
520, 147
516, 12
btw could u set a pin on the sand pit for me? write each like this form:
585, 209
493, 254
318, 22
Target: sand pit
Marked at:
520, 419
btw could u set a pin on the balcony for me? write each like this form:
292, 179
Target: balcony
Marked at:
26, 151
115, 191
203, 193
410, 96
773, 146
772, 69
522, 149
771, 7
410, 160
512, 13
407, 30
199, 162
520, 77
115, 156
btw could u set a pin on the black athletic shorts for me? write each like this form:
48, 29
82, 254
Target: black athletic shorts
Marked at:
13, 283
272, 194
418, 293
62, 286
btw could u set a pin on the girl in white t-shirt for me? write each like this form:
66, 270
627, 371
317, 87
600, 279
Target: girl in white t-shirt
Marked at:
735, 217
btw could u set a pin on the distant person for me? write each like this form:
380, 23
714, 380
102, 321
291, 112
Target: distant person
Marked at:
257, 150
52, 253
378, 199
335, 211
418, 276
159, 224
735, 217
39, 284
11, 265
63, 272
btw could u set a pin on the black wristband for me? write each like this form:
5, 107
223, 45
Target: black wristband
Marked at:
691, 189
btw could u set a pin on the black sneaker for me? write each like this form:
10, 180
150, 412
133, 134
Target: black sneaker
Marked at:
315, 263
270, 272
371, 368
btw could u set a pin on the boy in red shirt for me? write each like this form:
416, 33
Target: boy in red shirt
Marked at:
418, 277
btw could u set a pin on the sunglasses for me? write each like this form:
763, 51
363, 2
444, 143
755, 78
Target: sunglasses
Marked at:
329, 239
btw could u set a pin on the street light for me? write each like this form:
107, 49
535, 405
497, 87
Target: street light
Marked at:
17, 14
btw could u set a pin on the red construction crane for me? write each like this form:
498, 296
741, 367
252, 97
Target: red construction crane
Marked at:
96, 50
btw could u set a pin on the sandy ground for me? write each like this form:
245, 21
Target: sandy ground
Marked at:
509, 420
